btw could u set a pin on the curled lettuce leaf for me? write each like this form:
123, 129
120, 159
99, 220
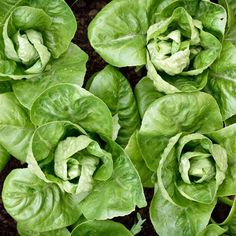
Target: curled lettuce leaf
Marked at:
145, 93
230, 6
67, 102
16, 127
106, 227
222, 79
37, 205
124, 44
135, 155
187, 218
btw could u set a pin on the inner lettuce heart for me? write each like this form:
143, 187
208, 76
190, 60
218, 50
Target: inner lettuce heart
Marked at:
72, 161
26, 45
180, 45
201, 166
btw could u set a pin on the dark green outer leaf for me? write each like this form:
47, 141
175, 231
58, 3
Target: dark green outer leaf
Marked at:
119, 195
37, 205
15, 126
114, 89
67, 102
70, 67
182, 112
5, 86
118, 32
222, 80
135, 155
100, 228
169, 219
4, 158
146, 93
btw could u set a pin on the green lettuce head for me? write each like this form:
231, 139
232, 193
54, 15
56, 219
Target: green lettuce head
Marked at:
72, 160
176, 40
181, 42
191, 157
32, 34
186, 45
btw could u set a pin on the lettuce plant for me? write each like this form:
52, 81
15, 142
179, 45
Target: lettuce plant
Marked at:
114, 89
35, 44
185, 45
32, 33
177, 40
72, 154
183, 143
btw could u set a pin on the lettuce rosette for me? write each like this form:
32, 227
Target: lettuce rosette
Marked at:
32, 33
176, 40
186, 46
188, 156
71, 152
35, 44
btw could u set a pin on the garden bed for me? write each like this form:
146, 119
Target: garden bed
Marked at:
85, 11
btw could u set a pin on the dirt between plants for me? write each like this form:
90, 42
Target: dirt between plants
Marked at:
84, 11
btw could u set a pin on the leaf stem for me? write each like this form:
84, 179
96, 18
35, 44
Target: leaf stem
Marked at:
226, 201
